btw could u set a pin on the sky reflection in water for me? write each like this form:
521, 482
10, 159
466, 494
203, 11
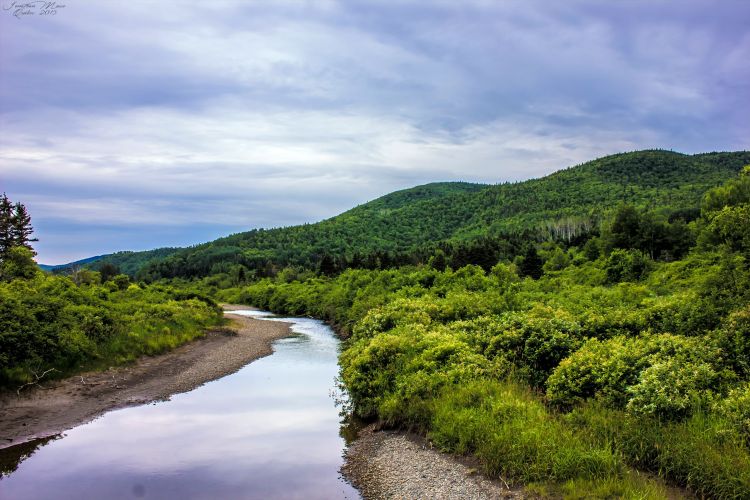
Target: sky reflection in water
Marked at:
270, 430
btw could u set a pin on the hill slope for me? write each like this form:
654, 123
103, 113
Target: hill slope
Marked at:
424, 215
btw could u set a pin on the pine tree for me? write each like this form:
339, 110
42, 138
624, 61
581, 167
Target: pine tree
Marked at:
327, 266
532, 263
6, 226
21, 229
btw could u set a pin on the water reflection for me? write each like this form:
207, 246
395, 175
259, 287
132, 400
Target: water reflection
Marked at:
269, 431
11, 457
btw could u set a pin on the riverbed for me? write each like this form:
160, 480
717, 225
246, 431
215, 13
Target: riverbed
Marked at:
270, 430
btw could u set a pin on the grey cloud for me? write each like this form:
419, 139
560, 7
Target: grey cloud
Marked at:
274, 113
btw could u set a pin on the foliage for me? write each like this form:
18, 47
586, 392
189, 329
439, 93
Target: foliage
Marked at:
605, 360
15, 227
50, 322
469, 223
626, 265
569, 331
18, 263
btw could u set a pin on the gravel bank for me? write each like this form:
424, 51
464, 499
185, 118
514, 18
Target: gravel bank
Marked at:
388, 464
57, 406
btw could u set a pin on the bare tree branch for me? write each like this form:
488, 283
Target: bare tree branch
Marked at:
35, 382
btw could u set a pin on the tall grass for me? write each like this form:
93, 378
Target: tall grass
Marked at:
506, 426
704, 453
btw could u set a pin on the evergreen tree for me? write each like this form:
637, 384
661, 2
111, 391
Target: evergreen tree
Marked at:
6, 226
21, 229
108, 271
327, 266
532, 263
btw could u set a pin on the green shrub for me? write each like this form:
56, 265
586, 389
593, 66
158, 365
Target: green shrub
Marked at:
626, 265
734, 338
671, 389
49, 322
736, 409
610, 370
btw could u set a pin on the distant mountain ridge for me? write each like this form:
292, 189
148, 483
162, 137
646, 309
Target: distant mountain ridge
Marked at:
88, 260
454, 211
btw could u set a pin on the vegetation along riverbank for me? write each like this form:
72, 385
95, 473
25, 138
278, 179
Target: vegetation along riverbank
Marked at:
570, 366
584, 332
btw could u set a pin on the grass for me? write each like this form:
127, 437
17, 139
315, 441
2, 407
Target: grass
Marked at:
516, 437
704, 453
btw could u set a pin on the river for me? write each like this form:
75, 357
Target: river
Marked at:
270, 430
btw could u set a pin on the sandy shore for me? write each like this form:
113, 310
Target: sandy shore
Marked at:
389, 464
61, 405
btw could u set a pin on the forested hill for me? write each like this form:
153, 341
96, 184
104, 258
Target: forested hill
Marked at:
404, 221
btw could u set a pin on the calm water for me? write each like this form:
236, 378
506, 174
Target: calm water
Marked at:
270, 430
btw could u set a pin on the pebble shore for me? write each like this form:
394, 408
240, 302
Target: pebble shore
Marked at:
390, 465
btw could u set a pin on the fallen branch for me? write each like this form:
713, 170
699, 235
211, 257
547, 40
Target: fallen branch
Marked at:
34, 382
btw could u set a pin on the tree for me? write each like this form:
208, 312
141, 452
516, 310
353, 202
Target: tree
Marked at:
625, 231
15, 227
6, 226
21, 227
532, 263
83, 276
592, 249
108, 271
557, 261
327, 266
626, 265
438, 260
18, 263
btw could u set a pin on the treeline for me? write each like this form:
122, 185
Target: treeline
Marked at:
629, 351
640, 233
405, 225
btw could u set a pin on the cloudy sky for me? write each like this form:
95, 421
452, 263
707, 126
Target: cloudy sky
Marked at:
134, 125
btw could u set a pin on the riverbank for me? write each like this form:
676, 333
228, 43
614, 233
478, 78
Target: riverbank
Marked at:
56, 406
391, 464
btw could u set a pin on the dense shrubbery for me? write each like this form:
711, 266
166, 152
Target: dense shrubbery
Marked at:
609, 360
647, 353
50, 322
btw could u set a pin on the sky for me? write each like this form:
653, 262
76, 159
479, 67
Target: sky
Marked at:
136, 125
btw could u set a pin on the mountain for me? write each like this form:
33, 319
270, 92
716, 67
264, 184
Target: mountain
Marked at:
82, 262
130, 262
426, 215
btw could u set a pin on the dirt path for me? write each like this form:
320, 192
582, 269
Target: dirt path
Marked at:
63, 404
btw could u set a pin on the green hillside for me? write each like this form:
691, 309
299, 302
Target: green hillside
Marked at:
130, 262
405, 221
82, 262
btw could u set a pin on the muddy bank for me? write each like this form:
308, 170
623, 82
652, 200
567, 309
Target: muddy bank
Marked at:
389, 464
59, 405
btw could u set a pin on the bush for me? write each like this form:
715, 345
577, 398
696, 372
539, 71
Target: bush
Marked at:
626, 265
49, 322
671, 389
611, 370
734, 338
736, 408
